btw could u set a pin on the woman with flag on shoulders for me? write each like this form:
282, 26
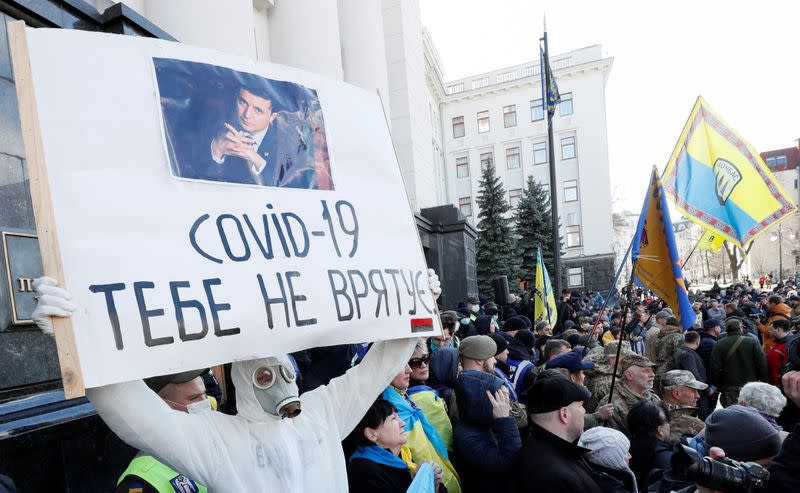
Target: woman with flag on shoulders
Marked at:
382, 460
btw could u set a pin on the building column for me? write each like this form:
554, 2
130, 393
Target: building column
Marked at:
225, 25
363, 47
305, 34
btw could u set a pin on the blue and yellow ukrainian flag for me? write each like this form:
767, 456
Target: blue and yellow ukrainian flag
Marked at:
544, 301
718, 180
656, 264
553, 97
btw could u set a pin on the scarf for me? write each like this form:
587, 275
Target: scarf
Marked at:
385, 457
411, 414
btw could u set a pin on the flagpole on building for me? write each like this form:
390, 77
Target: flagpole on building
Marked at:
546, 75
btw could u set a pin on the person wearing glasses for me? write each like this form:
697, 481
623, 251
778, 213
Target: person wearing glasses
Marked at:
426, 397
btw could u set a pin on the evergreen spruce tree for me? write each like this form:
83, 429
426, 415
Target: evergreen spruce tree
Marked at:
533, 225
495, 254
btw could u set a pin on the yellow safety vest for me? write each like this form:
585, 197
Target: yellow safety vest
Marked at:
160, 476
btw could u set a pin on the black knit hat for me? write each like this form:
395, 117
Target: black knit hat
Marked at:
502, 343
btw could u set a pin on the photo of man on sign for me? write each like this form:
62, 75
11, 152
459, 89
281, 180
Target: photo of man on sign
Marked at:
227, 126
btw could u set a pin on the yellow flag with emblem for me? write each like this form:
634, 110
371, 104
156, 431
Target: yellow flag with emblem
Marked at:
718, 180
710, 241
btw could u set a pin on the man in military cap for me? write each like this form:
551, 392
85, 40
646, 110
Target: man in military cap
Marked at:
598, 379
635, 385
680, 396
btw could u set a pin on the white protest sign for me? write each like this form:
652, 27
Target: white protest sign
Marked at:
207, 208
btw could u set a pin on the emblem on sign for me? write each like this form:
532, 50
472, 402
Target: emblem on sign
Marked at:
727, 177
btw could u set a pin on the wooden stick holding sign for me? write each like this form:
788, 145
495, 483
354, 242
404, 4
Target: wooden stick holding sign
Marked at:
42, 206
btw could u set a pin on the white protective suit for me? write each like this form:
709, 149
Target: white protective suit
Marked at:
255, 451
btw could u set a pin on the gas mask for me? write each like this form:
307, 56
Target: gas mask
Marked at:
275, 388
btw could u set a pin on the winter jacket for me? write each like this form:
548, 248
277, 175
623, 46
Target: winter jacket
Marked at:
707, 343
485, 447
255, 451
746, 364
612, 481
781, 310
717, 313
688, 359
649, 456
550, 464
650, 341
777, 357
668, 341
442, 378
366, 476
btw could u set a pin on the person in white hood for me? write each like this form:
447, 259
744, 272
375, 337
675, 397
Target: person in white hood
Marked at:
278, 442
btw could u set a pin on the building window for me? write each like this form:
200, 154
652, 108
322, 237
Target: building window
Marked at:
575, 277
565, 107
512, 157
771, 161
573, 236
780, 159
572, 219
465, 206
486, 160
462, 167
458, 127
539, 153
514, 196
510, 115
483, 122
571, 191
568, 148
537, 113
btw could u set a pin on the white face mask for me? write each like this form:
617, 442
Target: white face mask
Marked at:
475, 308
464, 321
199, 407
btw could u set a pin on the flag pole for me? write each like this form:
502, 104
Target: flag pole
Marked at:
690, 253
546, 75
622, 332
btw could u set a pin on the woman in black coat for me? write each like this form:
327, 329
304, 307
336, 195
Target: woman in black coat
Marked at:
650, 453
380, 461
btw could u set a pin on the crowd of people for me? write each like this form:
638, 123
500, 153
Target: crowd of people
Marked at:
603, 401
615, 397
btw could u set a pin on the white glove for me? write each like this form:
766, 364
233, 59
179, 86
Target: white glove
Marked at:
434, 285
51, 302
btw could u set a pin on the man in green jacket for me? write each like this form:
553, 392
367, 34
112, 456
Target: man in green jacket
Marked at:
735, 361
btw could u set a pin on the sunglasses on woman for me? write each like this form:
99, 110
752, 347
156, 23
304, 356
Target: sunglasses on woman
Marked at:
416, 363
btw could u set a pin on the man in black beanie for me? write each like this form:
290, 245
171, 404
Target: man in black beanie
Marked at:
550, 461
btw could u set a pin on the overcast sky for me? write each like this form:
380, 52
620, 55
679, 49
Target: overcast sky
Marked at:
742, 57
